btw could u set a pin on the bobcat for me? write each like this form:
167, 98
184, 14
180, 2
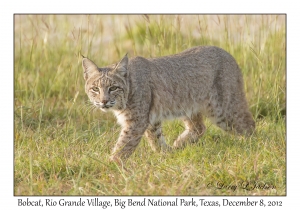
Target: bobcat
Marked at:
201, 81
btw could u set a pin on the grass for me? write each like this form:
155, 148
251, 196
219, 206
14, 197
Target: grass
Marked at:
61, 145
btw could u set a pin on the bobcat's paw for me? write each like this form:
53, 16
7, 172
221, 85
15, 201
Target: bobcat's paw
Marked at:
115, 159
118, 161
166, 148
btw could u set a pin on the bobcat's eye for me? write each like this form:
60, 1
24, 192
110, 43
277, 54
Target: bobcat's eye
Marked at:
96, 89
113, 88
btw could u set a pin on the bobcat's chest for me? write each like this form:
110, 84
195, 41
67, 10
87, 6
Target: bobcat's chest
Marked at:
121, 119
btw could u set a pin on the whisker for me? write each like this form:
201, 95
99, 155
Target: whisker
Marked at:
87, 108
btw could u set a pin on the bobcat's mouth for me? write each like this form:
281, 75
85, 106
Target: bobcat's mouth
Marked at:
106, 106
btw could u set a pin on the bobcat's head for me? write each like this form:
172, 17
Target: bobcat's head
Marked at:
107, 88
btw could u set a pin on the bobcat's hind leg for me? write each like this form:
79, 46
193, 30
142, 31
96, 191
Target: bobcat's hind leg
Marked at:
156, 138
243, 123
238, 121
194, 129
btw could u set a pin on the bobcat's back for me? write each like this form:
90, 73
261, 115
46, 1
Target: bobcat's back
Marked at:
201, 79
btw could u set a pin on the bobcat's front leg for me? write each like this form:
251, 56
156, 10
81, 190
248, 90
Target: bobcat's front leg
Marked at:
128, 140
156, 138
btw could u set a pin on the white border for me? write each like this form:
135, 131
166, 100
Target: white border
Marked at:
8, 8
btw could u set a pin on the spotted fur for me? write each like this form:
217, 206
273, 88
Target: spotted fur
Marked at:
201, 81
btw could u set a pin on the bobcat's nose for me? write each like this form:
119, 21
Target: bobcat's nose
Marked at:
104, 102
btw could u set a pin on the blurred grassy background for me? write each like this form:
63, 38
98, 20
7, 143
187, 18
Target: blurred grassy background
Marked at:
62, 144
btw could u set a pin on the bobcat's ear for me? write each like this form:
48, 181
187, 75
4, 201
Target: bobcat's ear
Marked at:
89, 67
122, 66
